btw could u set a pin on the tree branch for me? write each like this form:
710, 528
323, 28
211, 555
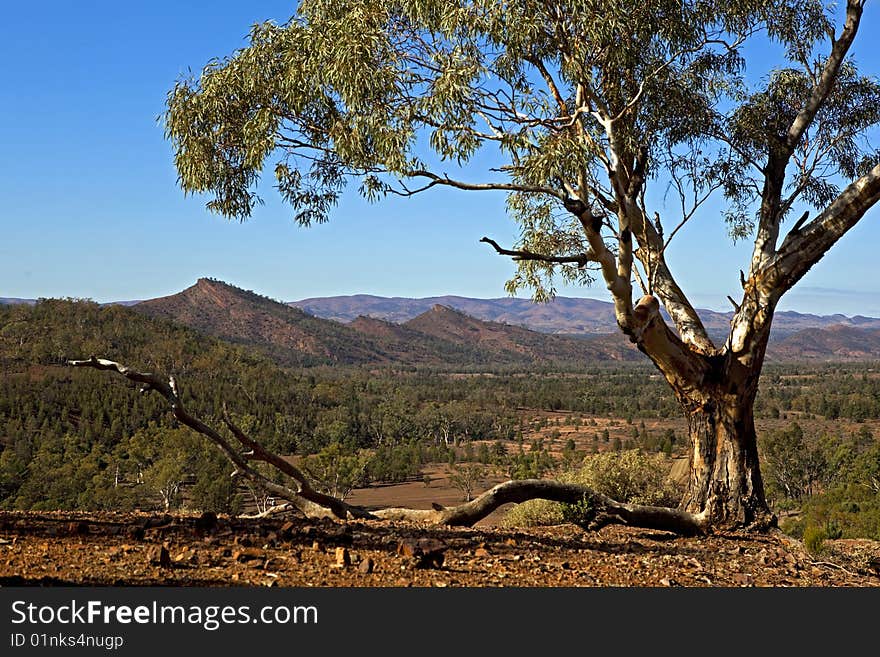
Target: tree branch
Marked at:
780, 154
805, 247
309, 501
828, 76
580, 260
436, 179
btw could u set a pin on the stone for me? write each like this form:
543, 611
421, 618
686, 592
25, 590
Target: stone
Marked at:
81, 528
366, 566
424, 552
207, 522
247, 554
136, 533
159, 555
343, 558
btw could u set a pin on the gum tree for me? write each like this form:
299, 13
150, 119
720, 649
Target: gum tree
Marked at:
588, 108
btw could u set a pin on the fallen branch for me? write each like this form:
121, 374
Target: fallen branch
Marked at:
600, 509
268, 513
307, 500
603, 510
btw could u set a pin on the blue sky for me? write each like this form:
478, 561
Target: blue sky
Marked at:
90, 206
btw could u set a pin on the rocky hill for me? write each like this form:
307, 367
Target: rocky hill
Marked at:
507, 340
440, 336
840, 342
287, 334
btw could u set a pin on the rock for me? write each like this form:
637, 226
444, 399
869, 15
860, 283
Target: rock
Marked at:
162, 521
743, 579
159, 555
136, 533
667, 581
343, 558
425, 552
286, 530
482, 552
247, 554
366, 566
207, 522
316, 547
78, 528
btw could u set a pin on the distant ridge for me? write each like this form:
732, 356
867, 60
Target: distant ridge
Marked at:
564, 315
448, 335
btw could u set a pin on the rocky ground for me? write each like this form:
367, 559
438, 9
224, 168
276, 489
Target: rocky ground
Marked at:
47, 549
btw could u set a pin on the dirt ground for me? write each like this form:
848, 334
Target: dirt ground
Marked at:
46, 549
417, 495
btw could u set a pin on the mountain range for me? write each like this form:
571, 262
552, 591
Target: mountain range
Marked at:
463, 332
565, 315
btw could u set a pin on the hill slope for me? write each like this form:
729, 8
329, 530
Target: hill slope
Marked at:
837, 343
509, 341
439, 337
287, 334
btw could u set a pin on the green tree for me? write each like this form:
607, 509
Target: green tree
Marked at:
468, 478
794, 468
584, 110
336, 471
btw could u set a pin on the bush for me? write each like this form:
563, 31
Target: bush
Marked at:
631, 476
814, 539
534, 513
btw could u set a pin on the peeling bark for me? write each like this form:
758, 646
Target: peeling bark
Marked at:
725, 480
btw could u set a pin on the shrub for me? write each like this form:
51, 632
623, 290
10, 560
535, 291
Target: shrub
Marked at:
631, 476
814, 539
534, 513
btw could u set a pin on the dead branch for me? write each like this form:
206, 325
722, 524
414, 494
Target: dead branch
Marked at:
307, 500
268, 513
603, 508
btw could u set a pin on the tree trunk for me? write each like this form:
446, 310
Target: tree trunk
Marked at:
725, 480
